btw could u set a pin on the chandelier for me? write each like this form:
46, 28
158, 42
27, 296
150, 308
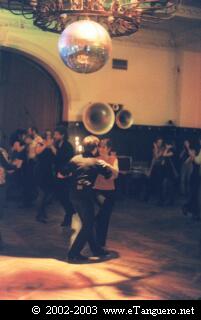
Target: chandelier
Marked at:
117, 18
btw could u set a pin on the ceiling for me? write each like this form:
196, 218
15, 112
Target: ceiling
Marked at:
179, 24
184, 26
174, 25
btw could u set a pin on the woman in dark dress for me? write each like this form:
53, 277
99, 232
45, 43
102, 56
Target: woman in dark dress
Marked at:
44, 175
170, 174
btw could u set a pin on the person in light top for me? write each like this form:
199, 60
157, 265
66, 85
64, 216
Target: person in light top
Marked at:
33, 131
105, 192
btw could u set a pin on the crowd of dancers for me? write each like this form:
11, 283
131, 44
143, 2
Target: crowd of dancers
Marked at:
44, 167
171, 171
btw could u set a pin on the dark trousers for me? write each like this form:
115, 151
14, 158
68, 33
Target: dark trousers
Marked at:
154, 183
84, 204
1, 242
2, 199
45, 183
2, 206
167, 190
105, 201
193, 204
29, 183
62, 192
163, 184
45, 197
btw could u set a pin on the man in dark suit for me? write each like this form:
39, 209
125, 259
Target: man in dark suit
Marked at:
64, 152
84, 170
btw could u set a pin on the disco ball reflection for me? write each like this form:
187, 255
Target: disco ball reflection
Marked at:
85, 46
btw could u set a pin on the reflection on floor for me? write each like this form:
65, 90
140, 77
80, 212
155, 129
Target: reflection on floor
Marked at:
160, 257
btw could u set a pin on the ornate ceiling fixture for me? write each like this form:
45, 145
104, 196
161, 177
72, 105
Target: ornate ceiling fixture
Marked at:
118, 17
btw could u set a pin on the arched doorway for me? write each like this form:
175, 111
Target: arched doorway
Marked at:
29, 96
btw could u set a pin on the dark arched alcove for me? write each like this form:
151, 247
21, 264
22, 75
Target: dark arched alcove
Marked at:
29, 96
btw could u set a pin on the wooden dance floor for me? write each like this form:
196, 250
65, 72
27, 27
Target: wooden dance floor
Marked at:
160, 257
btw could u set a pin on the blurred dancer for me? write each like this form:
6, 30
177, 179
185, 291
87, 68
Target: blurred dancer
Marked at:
29, 183
33, 131
155, 172
105, 192
193, 205
84, 170
64, 152
186, 168
169, 174
46, 153
5, 167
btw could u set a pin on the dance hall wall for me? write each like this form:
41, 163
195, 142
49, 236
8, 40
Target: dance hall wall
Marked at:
189, 88
155, 88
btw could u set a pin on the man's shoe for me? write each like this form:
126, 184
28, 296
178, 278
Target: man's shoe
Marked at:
80, 259
101, 253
